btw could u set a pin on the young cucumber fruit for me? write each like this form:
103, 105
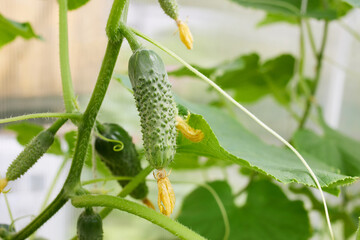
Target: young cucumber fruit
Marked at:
121, 163
89, 225
170, 7
156, 106
31, 153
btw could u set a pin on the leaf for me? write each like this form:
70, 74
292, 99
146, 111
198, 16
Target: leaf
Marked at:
227, 139
75, 4
26, 131
354, 3
249, 79
267, 213
184, 161
322, 148
328, 10
10, 29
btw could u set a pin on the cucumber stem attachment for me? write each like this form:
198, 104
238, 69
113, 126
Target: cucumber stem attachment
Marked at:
130, 37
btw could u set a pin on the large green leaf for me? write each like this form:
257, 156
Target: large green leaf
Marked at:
358, 232
250, 79
319, 9
267, 213
225, 138
10, 29
74, 4
26, 131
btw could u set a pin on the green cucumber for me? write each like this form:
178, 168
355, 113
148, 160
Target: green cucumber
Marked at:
170, 7
89, 225
156, 106
121, 163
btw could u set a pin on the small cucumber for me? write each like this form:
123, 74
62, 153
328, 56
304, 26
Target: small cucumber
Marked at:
31, 153
156, 106
121, 163
170, 7
89, 225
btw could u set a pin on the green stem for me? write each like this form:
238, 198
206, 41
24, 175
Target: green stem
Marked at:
167, 223
130, 37
319, 61
311, 38
107, 179
90, 114
302, 81
115, 17
41, 115
68, 90
8, 208
128, 188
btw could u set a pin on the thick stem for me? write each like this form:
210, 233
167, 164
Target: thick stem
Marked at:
128, 188
90, 114
68, 90
319, 61
115, 17
134, 208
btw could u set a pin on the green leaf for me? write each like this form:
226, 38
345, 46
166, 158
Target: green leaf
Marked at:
225, 138
10, 29
349, 150
75, 4
184, 161
354, 3
26, 131
322, 148
249, 79
319, 9
267, 212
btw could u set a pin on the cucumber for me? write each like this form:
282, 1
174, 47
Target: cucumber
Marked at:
121, 163
170, 7
89, 225
156, 106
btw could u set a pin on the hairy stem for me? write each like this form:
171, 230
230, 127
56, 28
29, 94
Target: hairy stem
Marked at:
134, 208
41, 115
68, 90
319, 61
247, 112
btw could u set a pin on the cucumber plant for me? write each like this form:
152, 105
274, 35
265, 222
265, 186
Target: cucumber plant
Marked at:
183, 138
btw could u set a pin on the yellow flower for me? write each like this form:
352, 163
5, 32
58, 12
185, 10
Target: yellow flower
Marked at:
3, 184
185, 34
166, 195
194, 135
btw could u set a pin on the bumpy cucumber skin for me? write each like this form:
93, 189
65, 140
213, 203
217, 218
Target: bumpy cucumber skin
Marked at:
123, 163
156, 106
89, 226
170, 7
29, 156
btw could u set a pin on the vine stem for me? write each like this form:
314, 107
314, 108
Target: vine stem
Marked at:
167, 223
68, 90
247, 112
41, 115
319, 60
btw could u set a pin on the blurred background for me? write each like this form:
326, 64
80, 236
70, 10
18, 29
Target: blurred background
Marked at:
30, 82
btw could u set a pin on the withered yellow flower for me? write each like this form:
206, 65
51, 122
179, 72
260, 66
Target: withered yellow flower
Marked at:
166, 195
185, 34
194, 135
3, 184
148, 203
